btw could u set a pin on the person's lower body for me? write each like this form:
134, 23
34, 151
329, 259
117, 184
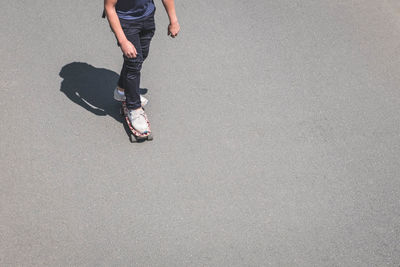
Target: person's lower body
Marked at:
139, 33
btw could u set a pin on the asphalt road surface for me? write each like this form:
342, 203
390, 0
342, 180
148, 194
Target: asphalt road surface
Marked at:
276, 137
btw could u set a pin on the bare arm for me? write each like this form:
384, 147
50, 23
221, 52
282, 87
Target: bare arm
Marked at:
173, 28
127, 47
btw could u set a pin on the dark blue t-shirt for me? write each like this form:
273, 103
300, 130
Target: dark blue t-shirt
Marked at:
134, 9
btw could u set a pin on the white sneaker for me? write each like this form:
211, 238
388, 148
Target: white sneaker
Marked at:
143, 100
120, 96
138, 120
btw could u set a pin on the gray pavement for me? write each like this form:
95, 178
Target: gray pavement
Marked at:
277, 137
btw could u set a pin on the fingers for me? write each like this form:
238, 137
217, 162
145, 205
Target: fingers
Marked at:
172, 34
130, 55
131, 52
134, 52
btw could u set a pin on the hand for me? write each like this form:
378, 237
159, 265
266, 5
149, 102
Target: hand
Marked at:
173, 29
128, 49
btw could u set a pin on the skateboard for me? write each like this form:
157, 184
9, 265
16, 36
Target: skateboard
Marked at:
135, 136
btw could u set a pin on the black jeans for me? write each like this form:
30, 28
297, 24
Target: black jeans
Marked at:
139, 33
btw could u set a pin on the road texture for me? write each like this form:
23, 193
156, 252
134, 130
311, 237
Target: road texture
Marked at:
277, 137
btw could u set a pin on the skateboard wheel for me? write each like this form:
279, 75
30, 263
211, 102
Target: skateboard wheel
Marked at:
150, 137
132, 138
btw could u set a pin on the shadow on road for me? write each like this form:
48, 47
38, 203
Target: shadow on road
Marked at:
91, 88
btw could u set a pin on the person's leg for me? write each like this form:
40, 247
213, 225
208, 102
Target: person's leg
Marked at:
119, 92
130, 73
133, 66
122, 74
147, 34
